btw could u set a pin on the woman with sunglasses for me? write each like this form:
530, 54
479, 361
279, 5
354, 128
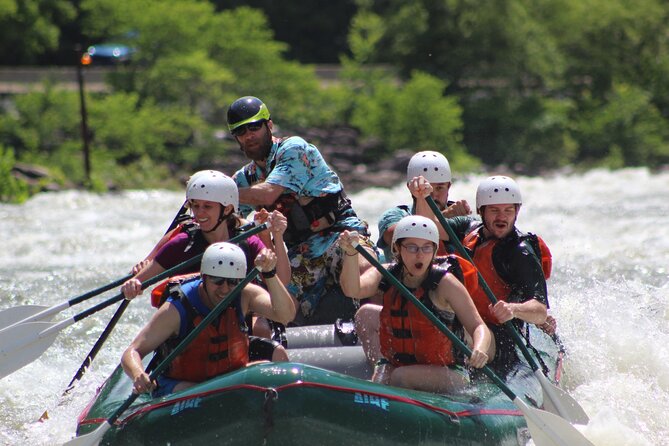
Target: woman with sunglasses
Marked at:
407, 348
223, 267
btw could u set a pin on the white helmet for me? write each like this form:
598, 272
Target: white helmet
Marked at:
433, 166
224, 259
497, 190
416, 226
212, 185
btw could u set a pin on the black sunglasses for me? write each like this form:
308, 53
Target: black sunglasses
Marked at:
218, 281
252, 127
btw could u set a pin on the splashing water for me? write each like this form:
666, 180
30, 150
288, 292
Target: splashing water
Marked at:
608, 232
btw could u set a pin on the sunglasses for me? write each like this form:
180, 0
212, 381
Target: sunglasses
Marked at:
252, 127
218, 281
413, 249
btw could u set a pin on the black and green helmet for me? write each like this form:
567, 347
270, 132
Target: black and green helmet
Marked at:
245, 111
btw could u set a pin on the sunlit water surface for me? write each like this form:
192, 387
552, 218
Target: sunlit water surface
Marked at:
608, 231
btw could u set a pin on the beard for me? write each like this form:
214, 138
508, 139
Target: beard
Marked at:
261, 150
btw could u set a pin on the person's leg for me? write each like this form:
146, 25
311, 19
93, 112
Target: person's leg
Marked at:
260, 327
367, 320
430, 378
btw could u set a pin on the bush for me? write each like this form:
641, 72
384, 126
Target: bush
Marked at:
11, 189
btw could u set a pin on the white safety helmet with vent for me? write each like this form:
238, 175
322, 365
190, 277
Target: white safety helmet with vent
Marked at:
224, 259
433, 166
212, 185
416, 226
497, 190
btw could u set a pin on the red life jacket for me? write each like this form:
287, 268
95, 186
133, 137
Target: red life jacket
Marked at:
483, 260
463, 269
406, 335
161, 292
221, 347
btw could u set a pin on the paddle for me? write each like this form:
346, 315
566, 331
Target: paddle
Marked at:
556, 399
178, 217
23, 343
546, 428
119, 312
33, 313
93, 438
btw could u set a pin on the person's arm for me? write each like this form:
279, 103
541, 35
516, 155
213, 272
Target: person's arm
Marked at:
275, 303
164, 323
531, 311
528, 300
458, 208
273, 239
261, 194
353, 284
452, 293
133, 287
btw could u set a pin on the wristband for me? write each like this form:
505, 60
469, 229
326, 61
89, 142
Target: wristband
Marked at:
268, 274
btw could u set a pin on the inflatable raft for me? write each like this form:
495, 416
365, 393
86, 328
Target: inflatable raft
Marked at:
322, 397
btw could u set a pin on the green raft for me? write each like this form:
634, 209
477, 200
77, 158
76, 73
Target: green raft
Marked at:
322, 397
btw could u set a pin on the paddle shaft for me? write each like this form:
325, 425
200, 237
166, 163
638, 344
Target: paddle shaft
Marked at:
218, 309
119, 312
439, 324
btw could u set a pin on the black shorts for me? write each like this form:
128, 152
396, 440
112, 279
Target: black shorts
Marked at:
261, 348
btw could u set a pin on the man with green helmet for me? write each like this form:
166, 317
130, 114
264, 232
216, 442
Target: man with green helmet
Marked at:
290, 175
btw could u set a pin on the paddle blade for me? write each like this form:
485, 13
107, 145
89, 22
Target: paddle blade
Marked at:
548, 429
13, 315
559, 402
91, 438
21, 344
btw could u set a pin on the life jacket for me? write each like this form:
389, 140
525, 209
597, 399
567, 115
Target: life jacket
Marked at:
462, 269
482, 258
221, 347
164, 289
159, 295
305, 215
406, 335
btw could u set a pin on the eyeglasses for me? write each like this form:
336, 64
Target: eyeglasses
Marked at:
252, 127
413, 249
218, 281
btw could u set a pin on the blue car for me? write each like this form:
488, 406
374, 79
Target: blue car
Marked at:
107, 54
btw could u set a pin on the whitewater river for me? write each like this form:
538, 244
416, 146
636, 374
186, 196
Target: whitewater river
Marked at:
608, 231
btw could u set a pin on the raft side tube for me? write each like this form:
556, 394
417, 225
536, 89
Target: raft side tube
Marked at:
350, 360
341, 333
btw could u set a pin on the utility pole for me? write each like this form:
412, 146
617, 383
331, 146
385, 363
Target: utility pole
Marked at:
81, 60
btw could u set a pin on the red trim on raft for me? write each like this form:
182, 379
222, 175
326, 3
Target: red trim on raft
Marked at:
461, 414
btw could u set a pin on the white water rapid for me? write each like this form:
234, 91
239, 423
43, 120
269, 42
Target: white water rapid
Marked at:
608, 232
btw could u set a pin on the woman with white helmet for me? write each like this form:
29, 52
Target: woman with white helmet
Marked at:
406, 346
223, 267
514, 265
213, 200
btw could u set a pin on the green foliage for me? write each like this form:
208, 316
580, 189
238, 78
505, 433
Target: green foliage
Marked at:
130, 132
29, 28
415, 116
41, 121
625, 129
11, 189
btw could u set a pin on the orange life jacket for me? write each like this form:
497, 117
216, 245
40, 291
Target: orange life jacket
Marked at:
221, 347
160, 292
483, 260
463, 269
406, 335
